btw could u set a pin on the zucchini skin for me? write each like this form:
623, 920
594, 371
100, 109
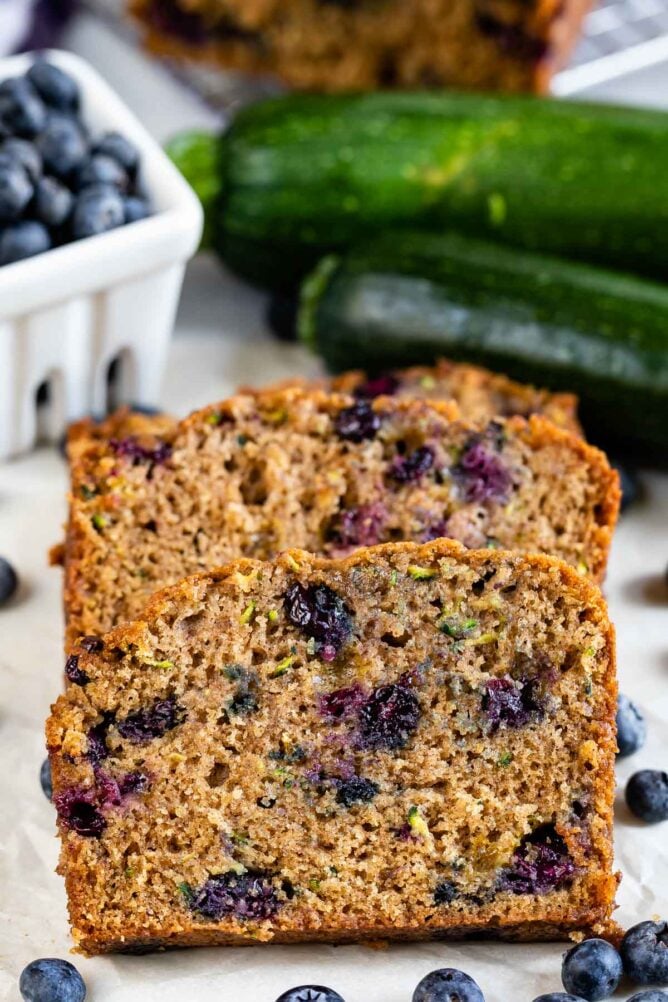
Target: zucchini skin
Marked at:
303, 175
407, 298
197, 155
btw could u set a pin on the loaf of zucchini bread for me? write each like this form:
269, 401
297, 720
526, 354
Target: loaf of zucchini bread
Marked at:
413, 741
255, 475
331, 45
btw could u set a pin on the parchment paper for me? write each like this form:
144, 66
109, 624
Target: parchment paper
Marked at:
205, 365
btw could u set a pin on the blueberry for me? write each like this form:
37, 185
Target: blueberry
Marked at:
92, 644
16, 189
511, 703
540, 864
24, 153
45, 779
135, 209
631, 729
321, 614
248, 895
411, 468
244, 700
356, 791
381, 386
483, 474
100, 169
448, 985
22, 240
559, 997
445, 893
653, 995
361, 526
107, 790
154, 721
133, 782
647, 795
97, 210
78, 810
73, 673
591, 970
434, 530
51, 980
341, 703
57, 88
131, 448
53, 202
644, 953
22, 111
120, 149
628, 482
97, 742
310, 993
110, 790
389, 716
357, 423
62, 145
9, 581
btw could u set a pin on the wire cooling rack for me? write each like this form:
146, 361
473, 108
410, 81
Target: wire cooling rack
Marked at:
619, 37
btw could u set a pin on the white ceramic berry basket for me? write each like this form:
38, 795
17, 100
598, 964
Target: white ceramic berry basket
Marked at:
92, 320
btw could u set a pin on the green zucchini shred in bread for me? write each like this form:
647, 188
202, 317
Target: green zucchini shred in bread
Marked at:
257, 474
367, 753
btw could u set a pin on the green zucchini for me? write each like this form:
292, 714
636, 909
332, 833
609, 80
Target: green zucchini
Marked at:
302, 175
407, 298
201, 156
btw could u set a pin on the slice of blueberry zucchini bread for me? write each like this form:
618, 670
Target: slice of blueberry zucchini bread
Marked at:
413, 741
255, 475
335, 45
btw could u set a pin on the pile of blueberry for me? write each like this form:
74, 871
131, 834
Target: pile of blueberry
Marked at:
590, 971
57, 182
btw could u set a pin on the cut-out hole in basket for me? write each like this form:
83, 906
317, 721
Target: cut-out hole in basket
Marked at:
49, 405
120, 381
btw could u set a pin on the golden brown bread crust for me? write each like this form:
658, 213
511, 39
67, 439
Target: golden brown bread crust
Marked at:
123, 422
500, 45
89, 557
586, 909
580, 925
480, 394
470, 386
